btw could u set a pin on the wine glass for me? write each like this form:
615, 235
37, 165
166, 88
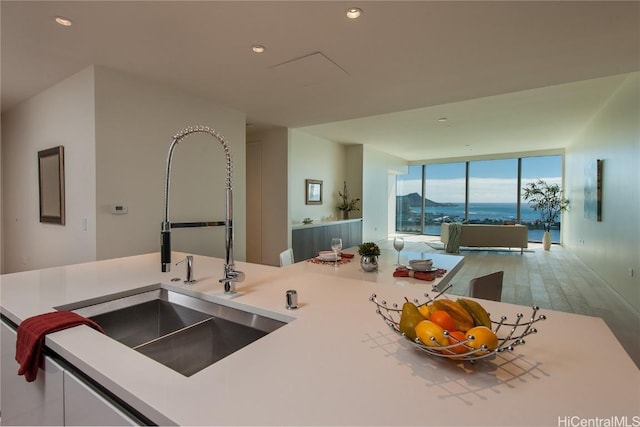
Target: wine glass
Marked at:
398, 244
336, 247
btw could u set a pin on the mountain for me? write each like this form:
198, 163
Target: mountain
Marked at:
414, 200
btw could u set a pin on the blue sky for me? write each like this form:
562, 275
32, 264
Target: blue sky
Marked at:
491, 180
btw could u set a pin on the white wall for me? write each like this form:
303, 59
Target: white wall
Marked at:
1, 222
609, 247
311, 157
354, 175
377, 190
267, 196
366, 170
135, 123
116, 131
60, 115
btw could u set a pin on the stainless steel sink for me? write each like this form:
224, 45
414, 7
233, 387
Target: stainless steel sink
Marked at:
184, 333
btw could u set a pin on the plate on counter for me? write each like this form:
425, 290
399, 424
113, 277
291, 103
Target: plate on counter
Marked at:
422, 270
327, 256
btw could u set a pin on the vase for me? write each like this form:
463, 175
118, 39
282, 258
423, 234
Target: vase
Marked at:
345, 214
369, 263
546, 241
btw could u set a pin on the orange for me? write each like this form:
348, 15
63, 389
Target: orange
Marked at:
482, 336
427, 329
455, 337
444, 320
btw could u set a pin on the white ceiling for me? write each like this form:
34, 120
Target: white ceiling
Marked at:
510, 76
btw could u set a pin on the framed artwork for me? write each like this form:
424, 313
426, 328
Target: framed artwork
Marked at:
313, 191
593, 191
51, 183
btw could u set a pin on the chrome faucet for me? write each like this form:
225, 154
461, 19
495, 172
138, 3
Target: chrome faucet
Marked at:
231, 276
189, 261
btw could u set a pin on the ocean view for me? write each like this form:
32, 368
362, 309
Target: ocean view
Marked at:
482, 213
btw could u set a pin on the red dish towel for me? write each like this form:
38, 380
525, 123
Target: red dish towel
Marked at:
420, 275
31, 333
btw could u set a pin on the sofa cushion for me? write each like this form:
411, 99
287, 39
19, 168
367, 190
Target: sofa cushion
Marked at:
489, 235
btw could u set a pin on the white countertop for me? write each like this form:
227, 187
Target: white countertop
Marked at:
336, 363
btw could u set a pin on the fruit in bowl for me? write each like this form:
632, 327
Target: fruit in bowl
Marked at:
431, 334
409, 320
460, 330
482, 338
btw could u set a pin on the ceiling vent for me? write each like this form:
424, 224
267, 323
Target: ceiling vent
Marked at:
309, 70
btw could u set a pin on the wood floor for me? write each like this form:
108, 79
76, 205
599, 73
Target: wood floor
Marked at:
554, 279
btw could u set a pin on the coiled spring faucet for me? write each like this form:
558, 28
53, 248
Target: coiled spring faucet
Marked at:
231, 276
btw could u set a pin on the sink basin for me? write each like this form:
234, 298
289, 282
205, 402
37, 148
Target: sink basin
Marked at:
184, 333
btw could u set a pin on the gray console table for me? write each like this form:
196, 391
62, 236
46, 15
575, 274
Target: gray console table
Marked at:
307, 240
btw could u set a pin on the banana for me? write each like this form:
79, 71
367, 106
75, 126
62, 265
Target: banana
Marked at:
461, 317
477, 312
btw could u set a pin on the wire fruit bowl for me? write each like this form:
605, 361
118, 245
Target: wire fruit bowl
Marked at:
516, 331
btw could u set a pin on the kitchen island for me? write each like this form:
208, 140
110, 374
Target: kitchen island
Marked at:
335, 362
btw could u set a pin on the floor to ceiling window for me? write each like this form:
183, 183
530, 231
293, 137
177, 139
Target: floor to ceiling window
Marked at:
444, 195
408, 201
475, 192
549, 169
493, 191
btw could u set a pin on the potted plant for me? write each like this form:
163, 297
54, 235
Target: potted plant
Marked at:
347, 205
547, 199
369, 253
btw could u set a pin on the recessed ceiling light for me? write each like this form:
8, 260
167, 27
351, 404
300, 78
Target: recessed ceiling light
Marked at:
63, 21
354, 12
442, 119
257, 48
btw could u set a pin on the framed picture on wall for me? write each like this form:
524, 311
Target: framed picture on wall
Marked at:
51, 184
593, 191
313, 191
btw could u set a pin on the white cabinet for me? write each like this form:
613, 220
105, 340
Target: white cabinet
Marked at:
85, 406
36, 403
57, 396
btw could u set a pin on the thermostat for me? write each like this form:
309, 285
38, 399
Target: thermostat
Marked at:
119, 209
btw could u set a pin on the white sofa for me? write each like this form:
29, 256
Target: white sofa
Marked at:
488, 235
